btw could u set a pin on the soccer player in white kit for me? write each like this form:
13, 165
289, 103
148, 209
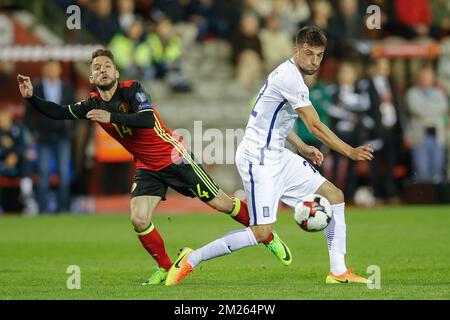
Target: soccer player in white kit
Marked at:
271, 173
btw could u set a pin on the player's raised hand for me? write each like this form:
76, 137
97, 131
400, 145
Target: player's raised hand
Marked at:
99, 115
312, 154
362, 153
25, 86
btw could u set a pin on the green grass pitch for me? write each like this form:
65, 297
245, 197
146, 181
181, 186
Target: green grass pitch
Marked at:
410, 244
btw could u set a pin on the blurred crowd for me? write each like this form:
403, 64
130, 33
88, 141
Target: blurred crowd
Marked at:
404, 115
409, 133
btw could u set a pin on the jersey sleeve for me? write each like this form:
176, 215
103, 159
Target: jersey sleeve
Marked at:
295, 91
80, 109
60, 112
139, 99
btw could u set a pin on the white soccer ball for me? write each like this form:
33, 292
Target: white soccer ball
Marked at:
313, 213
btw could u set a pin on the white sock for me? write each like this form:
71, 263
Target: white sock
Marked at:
336, 233
230, 242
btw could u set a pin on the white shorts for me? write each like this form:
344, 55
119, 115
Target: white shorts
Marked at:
290, 179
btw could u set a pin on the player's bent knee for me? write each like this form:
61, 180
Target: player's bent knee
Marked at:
139, 222
331, 192
339, 196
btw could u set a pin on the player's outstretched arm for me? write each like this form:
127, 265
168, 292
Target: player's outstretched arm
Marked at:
50, 109
143, 119
311, 119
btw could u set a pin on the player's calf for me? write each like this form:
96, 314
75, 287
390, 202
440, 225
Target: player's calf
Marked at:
236, 208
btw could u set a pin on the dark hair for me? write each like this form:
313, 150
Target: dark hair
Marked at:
102, 53
311, 35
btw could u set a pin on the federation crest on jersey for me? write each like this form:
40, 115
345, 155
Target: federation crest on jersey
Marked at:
141, 96
123, 107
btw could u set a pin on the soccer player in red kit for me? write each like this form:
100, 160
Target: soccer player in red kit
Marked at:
162, 160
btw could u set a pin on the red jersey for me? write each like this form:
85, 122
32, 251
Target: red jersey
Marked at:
152, 149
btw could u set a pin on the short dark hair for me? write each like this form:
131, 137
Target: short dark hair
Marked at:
312, 35
102, 53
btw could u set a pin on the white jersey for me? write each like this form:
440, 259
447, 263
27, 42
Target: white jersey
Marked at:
273, 115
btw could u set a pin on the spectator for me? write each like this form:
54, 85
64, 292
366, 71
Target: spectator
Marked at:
6, 30
247, 52
230, 11
413, 18
53, 137
100, 21
180, 12
299, 11
346, 28
440, 13
348, 119
176, 10
260, 8
443, 65
14, 161
387, 132
125, 13
130, 53
164, 50
322, 12
428, 109
273, 37
205, 14
443, 71
285, 10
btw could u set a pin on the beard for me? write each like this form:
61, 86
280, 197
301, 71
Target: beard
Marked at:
106, 87
308, 72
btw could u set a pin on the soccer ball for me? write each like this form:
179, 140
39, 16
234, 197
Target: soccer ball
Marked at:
313, 213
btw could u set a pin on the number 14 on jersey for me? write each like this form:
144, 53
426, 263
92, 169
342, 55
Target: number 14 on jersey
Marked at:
122, 130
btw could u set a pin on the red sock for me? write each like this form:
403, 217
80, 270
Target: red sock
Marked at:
242, 216
154, 244
269, 238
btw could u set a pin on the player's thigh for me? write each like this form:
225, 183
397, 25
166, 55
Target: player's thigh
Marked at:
262, 188
190, 179
331, 192
301, 179
143, 207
